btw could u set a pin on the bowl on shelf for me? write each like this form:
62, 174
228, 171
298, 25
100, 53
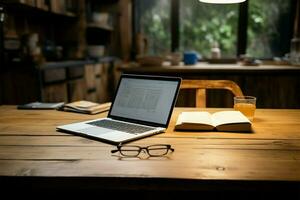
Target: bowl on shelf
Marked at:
174, 58
100, 18
150, 60
96, 51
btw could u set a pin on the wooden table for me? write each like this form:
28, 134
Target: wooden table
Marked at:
35, 157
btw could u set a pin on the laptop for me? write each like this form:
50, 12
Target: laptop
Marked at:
142, 107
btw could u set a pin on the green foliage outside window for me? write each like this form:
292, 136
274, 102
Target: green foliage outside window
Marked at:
265, 22
203, 24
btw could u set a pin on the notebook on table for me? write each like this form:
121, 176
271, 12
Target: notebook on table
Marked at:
142, 106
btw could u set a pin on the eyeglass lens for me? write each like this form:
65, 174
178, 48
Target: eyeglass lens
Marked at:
158, 150
130, 150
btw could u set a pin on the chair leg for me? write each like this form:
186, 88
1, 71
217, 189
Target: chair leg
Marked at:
200, 98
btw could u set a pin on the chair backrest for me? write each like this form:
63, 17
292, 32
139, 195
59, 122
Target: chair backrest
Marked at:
201, 85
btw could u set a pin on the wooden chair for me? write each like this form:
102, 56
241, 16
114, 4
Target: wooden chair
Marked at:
202, 85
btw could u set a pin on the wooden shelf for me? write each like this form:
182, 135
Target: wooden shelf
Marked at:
100, 26
64, 64
69, 78
27, 9
76, 63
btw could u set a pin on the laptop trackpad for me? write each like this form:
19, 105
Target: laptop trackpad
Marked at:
95, 131
107, 134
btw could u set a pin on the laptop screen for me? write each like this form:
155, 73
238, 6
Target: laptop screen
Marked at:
147, 99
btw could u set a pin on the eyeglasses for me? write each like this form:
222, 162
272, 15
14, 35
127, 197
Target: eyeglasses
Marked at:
152, 150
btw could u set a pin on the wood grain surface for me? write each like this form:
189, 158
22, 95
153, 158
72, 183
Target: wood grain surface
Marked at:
30, 146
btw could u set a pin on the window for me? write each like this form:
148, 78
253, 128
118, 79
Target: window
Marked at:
269, 28
153, 20
262, 29
203, 24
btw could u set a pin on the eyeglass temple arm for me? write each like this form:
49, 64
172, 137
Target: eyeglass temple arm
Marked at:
170, 148
114, 150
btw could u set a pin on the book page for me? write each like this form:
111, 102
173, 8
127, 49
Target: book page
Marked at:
228, 117
83, 104
195, 118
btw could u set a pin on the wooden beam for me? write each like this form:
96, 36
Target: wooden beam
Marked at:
242, 29
175, 38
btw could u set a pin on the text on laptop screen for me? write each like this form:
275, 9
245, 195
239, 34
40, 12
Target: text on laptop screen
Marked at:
143, 99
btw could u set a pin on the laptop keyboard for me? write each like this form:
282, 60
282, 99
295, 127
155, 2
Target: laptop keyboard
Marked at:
120, 126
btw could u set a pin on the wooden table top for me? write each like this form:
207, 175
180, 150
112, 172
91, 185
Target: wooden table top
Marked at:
30, 147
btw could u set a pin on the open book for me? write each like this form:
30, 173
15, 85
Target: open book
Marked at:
233, 121
86, 107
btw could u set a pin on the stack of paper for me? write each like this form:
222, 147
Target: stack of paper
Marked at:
86, 107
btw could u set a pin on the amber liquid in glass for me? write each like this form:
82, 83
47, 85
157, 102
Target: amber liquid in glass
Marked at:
247, 109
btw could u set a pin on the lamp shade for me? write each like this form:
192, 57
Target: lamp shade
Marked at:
222, 1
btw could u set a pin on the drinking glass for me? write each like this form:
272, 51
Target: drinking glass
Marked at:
246, 105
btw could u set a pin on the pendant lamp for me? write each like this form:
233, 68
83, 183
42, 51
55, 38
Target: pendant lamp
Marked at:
222, 1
